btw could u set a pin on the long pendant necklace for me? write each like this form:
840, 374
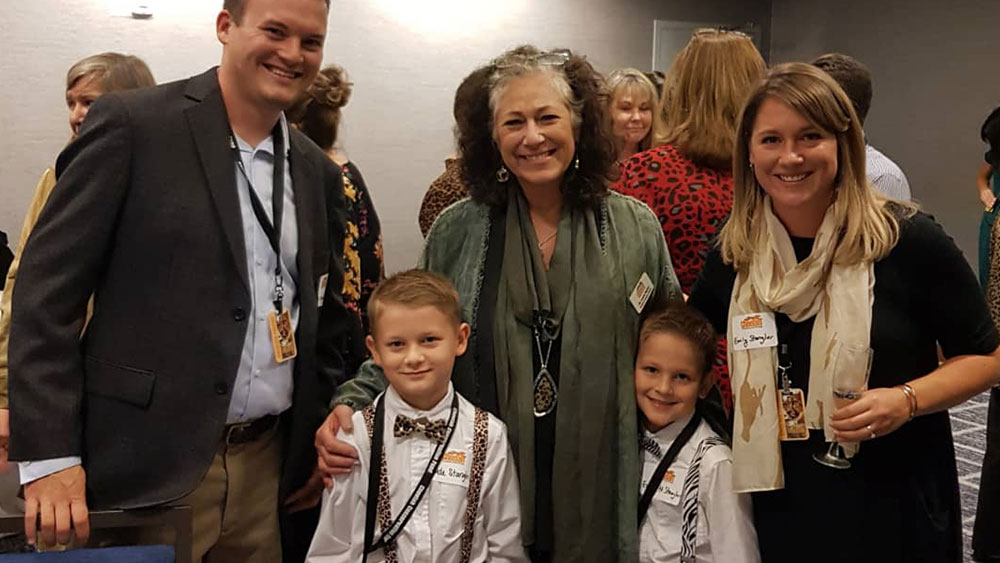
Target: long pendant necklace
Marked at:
546, 394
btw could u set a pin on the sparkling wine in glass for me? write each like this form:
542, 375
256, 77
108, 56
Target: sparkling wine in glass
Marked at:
850, 382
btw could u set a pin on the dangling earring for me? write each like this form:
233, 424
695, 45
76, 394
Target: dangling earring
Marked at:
576, 163
503, 175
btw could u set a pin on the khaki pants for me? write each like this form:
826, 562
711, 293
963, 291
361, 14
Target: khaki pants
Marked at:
234, 511
235, 508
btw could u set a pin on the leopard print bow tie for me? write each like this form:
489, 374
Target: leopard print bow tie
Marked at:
650, 445
434, 430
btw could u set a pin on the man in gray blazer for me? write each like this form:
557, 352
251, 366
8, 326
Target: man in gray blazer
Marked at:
207, 231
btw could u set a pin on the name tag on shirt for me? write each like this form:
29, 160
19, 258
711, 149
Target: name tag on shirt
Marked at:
756, 330
454, 468
670, 488
640, 295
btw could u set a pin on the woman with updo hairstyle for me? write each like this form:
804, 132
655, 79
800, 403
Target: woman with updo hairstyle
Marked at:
87, 80
847, 296
318, 116
686, 179
545, 259
632, 105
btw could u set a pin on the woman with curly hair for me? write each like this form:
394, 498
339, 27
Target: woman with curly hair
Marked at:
686, 179
854, 293
318, 116
553, 271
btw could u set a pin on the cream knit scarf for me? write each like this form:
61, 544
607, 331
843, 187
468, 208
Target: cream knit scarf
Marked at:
839, 296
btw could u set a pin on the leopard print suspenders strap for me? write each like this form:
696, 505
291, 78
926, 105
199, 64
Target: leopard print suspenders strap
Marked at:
369, 414
480, 438
479, 444
383, 509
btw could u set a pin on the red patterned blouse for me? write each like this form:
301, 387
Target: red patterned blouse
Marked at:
692, 203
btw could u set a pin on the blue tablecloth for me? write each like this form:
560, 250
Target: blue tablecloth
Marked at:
132, 554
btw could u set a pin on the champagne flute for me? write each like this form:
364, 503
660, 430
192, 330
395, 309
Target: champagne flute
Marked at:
850, 381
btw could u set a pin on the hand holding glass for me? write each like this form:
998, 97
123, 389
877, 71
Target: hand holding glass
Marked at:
850, 381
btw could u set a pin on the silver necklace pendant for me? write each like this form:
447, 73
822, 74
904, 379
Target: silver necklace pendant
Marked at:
546, 393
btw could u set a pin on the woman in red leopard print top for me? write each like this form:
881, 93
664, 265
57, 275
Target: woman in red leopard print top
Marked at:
686, 178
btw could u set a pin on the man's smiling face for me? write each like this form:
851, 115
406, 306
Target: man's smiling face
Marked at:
275, 51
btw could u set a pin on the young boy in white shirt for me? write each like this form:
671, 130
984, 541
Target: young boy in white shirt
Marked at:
693, 515
469, 509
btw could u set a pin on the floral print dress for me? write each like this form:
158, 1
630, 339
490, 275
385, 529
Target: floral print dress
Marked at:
363, 263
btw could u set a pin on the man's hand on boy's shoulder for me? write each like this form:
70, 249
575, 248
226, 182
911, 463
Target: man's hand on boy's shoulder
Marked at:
336, 457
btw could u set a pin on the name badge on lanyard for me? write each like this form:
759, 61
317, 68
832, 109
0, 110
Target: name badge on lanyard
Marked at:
280, 319
282, 335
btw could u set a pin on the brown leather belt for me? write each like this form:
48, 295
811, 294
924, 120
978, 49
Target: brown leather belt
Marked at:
243, 432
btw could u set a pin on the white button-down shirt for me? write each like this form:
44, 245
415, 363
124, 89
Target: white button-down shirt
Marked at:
434, 531
886, 175
725, 519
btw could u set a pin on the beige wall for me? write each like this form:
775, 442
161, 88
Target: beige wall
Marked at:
936, 78
406, 57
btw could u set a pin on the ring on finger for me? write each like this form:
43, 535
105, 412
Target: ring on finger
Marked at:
872, 433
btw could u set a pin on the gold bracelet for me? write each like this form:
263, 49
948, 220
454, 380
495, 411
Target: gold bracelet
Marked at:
911, 396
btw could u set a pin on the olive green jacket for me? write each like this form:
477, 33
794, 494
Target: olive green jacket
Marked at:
461, 246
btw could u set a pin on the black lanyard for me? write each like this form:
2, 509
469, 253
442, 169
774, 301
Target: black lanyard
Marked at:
668, 458
273, 231
375, 481
785, 328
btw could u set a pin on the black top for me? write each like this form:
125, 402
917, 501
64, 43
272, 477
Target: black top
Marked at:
6, 257
482, 391
985, 540
899, 501
991, 134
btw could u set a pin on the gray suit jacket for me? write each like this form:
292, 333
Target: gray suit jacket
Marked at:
146, 217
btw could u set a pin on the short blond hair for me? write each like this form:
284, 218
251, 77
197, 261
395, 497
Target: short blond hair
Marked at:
703, 92
633, 81
869, 230
415, 288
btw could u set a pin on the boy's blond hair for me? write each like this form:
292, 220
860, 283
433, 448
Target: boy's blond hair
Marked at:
415, 288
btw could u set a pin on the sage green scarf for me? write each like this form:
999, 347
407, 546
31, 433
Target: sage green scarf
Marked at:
585, 291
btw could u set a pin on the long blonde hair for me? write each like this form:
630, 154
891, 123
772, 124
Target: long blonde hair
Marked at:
634, 82
869, 230
703, 93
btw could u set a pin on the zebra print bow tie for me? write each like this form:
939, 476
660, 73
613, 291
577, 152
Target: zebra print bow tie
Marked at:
434, 430
650, 445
